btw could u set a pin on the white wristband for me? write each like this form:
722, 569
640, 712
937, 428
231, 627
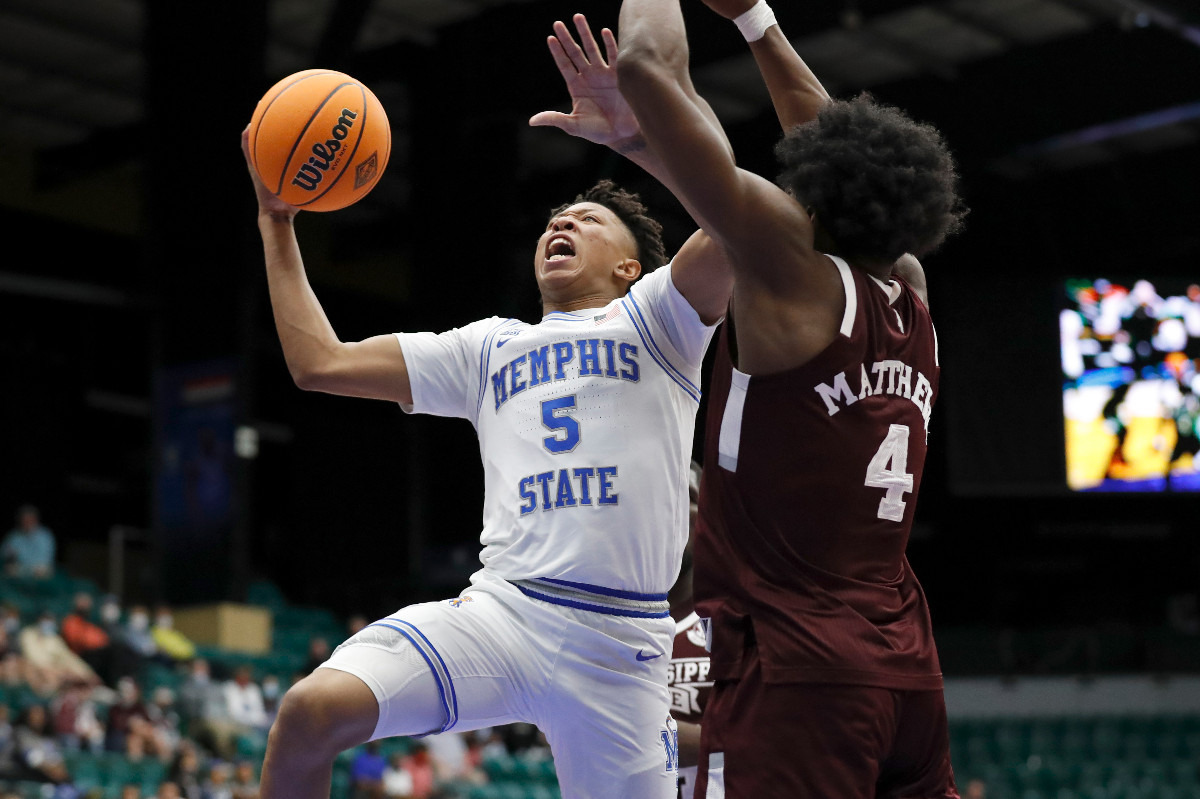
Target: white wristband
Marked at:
754, 23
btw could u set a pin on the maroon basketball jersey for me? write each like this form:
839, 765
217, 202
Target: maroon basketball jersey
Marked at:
689, 679
807, 499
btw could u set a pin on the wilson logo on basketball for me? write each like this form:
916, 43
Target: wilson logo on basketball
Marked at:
309, 176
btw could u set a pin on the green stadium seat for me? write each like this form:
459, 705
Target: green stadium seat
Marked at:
501, 768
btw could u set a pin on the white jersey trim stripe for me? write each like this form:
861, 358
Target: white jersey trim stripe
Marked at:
851, 296
651, 350
654, 344
731, 422
485, 358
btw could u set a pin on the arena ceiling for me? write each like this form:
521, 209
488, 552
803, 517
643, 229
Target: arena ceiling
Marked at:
73, 74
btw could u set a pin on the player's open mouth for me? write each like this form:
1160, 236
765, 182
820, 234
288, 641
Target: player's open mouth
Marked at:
559, 248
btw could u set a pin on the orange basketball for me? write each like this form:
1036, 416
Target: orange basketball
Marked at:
319, 140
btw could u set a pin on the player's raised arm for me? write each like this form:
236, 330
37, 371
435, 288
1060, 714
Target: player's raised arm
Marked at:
795, 92
316, 358
701, 270
765, 231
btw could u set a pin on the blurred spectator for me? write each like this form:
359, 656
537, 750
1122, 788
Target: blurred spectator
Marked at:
366, 772
86, 638
124, 659
420, 768
10, 769
171, 642
244, 701
139, 637
204, 709
975, 789
245, 784
168, 732
12, 665
354, 624
167, 790
452, 759
217, 786
50, 661
124, 715
75, 723
28, 549
36, 749
272, 692
397, 782
318, 653
131, 791
187, 771
519, 736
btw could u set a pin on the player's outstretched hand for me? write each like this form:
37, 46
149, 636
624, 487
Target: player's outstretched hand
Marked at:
598, 111
268, 203
730, 9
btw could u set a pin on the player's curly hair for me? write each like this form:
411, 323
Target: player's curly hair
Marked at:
628, 207
880, 184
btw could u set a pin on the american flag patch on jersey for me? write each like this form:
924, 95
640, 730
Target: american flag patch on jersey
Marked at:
608, 317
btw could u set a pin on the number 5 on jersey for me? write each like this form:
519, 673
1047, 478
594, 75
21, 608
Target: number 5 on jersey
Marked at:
556, 416
889, 470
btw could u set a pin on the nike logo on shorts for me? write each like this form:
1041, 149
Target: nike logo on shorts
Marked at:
644, 657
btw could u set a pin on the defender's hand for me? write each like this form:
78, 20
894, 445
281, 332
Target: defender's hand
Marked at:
598, 111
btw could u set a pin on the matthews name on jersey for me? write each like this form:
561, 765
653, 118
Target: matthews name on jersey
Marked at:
803, 527
585, 424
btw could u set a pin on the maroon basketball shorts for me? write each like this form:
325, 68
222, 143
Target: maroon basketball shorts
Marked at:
824, 741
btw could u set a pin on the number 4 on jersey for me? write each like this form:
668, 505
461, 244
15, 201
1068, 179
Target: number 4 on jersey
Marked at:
888, 470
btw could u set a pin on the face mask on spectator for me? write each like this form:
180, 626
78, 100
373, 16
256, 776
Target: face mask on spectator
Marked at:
164, 620
110, 612
138, 621
270, 689
47, 626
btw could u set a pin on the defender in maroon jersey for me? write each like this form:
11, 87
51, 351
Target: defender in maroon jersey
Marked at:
827, 681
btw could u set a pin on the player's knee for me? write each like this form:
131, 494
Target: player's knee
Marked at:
323, 717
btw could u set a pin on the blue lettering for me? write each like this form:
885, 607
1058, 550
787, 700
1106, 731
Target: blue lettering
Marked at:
606, 474
498, 388
670, 739
589, 362
516, 388
585, 475
629, 358
539, 366
552, 421
610, 370
564, 353
565, 495
526, 489
544, 478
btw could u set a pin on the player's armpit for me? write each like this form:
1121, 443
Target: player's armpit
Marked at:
373, 369
703, 274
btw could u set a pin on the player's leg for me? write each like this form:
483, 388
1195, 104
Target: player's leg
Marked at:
457, 664
919, 764
607, 717
323, 714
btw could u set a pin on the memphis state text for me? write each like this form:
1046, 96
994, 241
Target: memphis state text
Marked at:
565, 488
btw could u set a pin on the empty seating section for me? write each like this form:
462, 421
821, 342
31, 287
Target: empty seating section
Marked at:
1103, 757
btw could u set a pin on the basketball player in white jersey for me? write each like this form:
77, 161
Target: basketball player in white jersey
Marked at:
585, 423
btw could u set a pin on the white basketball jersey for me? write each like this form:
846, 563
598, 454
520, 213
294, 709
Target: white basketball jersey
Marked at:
585, 424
